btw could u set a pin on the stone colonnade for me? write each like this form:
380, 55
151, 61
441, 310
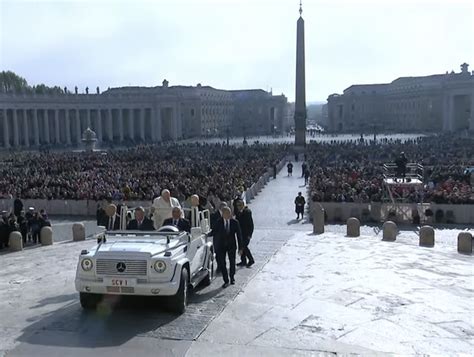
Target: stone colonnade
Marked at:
26, 127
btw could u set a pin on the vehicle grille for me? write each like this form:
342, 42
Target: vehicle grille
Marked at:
115, 267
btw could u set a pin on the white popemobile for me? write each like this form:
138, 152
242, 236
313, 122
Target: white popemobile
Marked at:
166, 262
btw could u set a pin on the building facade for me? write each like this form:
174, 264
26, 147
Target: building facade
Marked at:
435, 103
259, 113
133, 115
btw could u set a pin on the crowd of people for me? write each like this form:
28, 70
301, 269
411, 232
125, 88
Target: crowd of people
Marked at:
353, 171
28, 223
138, 173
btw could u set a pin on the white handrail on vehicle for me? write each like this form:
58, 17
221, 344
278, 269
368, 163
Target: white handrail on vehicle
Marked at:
199, 219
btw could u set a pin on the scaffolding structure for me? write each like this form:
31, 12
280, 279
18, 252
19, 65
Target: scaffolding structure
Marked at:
397, 191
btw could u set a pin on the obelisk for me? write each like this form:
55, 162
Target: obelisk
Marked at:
300, 97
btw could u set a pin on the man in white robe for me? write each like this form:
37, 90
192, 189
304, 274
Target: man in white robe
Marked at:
163, 207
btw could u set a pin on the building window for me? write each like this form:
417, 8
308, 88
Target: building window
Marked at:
192, 112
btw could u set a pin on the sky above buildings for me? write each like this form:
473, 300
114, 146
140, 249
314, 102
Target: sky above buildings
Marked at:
232, 44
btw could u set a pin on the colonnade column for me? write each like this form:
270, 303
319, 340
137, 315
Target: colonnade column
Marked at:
179, 122
26, 139
153, 125
121, 124
16, 134
56, 127
78, 126
99, 125
142, 124
110, 130
159, 135
68, 126
6, 131
36, 127
452, 123
131, 117
46, 126
174, 123
88, 118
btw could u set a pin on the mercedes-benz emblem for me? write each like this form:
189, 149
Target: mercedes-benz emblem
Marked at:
121, 267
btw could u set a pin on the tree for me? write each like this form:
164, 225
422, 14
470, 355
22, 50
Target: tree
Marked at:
10, 81
44, 89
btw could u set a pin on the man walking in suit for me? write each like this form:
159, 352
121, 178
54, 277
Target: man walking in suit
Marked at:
244, 215
181, 223
215, 217
229, 237
140, 223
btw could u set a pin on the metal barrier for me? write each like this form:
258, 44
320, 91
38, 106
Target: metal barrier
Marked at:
252, 192
413, 171
198, 218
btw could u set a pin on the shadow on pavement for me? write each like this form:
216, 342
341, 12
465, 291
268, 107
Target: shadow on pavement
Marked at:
55, 300
198, 297
115, 322
119, 319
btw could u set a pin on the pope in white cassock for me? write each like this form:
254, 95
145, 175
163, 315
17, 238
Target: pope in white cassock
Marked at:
163, 206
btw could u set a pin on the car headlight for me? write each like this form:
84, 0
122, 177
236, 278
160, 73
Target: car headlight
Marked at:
86, 264
160, 266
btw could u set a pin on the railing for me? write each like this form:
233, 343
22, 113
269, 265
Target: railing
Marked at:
252, 192
199, 219
413, 171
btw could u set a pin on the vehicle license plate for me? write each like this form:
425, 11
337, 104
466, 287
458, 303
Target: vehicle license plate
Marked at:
121, 282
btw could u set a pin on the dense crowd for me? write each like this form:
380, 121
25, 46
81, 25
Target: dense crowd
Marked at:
27, 222
138, 173
353, 171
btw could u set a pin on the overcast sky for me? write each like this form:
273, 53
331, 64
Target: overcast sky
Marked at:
232, 44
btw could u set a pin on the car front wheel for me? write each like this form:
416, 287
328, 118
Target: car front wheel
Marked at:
180, 300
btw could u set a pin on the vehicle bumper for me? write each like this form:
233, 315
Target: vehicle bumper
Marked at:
140, 289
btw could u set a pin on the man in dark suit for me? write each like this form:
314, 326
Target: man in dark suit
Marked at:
228, 237
181, 223
111, 220
215, 217
244, 215
140, 223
